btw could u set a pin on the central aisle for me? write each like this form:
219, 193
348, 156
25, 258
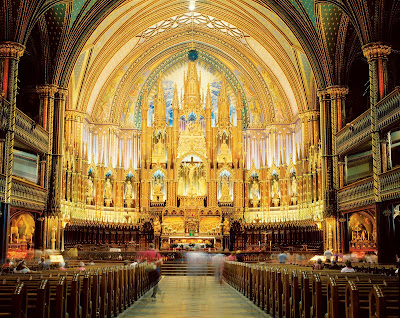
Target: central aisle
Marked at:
194, 297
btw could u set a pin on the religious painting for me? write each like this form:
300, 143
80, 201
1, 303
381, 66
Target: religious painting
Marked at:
173, 225
210, 225
362, 232
22, 229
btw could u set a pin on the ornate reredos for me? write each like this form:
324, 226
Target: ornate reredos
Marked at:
192, 139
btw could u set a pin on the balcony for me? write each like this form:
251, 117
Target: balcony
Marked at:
359, 130
390, 184
31, 134
24, 194
26, 129
357, 194
354, 133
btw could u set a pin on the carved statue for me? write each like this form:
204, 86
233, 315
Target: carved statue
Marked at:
224, 155
294, 186
181, 186
159, 148
225, 191
108, 189
89, 188
158, 188
202, 186
254, 190
192, 170
128, 190
275, 189
256, 113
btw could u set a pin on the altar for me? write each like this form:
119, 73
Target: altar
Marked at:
191, 243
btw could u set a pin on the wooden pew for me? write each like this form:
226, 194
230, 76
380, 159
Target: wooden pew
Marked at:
271, 292
384, 302
14, 301
104, 293
286, 288
295, 296
305, 295
278, 292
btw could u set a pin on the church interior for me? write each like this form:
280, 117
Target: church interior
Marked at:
259, 126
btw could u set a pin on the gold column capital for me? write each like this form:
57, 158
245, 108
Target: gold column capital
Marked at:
62, 92
321, 93
47, 90
376, 50
337, 91
11, 50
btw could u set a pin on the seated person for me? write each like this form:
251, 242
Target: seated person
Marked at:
61, 266
318, 265
21, 268
43, 265
81, 266
335, 265
327, 264
348, 268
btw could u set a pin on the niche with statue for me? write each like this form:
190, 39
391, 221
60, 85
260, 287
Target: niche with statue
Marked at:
158, 186
129, 193
275, 189
108, 189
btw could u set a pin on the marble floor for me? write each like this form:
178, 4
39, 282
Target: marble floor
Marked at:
193, 297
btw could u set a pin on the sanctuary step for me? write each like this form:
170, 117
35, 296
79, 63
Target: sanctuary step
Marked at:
182, 269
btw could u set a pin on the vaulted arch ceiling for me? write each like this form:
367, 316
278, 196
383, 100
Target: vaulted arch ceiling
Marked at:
254, 42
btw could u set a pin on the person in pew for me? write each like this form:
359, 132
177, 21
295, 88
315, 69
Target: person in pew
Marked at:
43, 265
22, 268
282, 257
8, 264
318, 265
91, 263
239, 256
81, 266
61, 266
348, 268
335, 266
231, 257
327, 264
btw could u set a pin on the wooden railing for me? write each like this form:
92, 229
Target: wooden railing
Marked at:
390, 184
360, 193
354, 133
359, 130
27, 194
27, 131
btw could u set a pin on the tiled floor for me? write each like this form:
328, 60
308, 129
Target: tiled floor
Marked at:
194, 297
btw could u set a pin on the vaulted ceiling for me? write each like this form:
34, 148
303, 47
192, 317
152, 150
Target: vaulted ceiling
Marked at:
278, 51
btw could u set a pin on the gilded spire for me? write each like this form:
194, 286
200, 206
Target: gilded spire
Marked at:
175, 100
192, 87
208, 98
223, 105
160, 111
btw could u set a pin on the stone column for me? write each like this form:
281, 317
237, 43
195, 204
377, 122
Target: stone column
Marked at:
10, 53
337, 95
46, 95
377, 55
326, 150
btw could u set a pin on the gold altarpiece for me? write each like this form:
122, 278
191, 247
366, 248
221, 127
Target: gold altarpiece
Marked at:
194, 177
